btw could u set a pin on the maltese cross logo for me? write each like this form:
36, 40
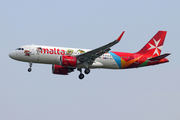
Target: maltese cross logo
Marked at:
156, 47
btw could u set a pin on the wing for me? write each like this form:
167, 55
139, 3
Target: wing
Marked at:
90, 56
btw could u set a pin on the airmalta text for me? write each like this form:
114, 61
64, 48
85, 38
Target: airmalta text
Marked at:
53, 51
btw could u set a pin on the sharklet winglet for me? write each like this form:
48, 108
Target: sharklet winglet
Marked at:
119, 38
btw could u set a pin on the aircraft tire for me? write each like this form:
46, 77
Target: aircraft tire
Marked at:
29, 70
81, 76
87, 71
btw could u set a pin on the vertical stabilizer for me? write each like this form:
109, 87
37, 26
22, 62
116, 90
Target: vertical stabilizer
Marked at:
154, 46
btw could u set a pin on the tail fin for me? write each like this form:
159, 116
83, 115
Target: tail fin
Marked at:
154, 46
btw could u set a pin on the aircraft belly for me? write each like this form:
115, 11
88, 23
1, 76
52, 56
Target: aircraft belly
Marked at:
108, 63
45, 59
96, 64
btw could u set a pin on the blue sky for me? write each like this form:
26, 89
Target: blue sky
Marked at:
138, 94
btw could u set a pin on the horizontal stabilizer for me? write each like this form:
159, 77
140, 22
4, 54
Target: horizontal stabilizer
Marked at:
159, 57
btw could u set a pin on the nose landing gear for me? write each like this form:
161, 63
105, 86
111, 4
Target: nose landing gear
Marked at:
29, 70
30, 65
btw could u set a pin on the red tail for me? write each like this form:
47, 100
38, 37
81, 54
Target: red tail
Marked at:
154, 46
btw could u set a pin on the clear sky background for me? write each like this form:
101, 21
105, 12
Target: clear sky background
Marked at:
149, 93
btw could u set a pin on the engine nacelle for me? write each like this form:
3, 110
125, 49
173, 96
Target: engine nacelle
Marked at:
57, 69
70, 61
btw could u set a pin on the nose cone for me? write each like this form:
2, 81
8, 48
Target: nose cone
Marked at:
12, 55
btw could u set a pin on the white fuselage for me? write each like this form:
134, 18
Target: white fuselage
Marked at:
65, 60
51, 55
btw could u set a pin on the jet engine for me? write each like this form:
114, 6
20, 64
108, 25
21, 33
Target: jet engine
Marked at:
57, 69
69, 61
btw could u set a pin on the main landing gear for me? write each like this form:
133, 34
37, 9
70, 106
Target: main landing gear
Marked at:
86, 71
81, 76
30, 65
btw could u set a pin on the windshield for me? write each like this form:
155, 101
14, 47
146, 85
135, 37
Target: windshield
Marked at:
19, 48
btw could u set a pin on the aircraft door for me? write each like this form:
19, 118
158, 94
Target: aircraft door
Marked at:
32, 49
37, 51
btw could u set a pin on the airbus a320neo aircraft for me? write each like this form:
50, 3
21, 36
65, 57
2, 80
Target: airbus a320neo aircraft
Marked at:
65, 60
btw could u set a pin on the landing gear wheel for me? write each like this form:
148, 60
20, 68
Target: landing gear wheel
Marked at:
29, 70
87, 71
81, 76
30, 65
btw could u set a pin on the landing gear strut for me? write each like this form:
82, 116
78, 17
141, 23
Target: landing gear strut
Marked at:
87, 70
81, 76
30, 65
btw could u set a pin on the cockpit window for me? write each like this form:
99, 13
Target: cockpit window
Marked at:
19, 48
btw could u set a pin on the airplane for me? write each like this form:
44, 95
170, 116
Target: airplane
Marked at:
66, 60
